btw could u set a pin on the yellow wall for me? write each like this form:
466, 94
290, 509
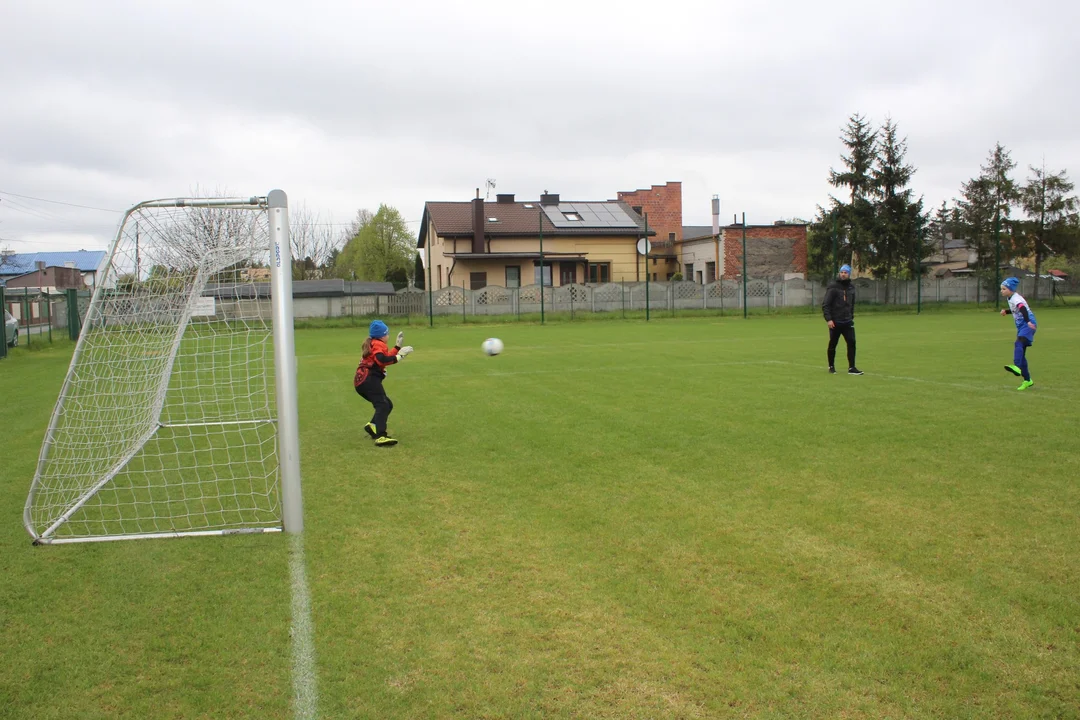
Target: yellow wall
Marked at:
620, 252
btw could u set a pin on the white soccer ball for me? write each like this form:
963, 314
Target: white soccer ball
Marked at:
492, 346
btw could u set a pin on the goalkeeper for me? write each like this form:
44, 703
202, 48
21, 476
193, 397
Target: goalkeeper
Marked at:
371, 372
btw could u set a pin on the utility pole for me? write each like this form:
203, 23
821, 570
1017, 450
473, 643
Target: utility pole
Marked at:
744, 310
540, 216
646, 267
997, 259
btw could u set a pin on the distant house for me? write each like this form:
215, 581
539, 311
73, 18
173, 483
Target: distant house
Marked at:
773, 252
255, 274
49, 279
700, 254
956, 258
476, 243
88, 263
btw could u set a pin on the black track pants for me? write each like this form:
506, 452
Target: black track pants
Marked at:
848, 331
372, 391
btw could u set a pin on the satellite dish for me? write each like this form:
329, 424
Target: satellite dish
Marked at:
644, 247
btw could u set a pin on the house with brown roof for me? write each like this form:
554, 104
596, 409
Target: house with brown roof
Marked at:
477, 243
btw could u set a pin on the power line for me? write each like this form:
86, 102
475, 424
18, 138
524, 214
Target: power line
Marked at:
33, 212
57, 202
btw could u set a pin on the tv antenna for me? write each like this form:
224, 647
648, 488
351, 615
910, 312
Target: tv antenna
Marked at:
490, 186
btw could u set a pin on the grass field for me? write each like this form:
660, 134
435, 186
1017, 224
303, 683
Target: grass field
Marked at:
681, 519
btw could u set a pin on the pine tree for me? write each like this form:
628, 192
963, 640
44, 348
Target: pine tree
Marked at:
985, 209
940, 228
419, 276
898, 240
1046, 200
856, 215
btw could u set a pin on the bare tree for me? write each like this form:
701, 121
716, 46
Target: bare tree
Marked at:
6, 254
362, 219
313, 243
192, 234
344, 258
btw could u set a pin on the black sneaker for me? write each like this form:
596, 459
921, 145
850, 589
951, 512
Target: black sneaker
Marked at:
854, 371
832, 370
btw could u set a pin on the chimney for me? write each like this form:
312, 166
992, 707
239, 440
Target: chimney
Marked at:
715, 214
549, 198
478, 223
40, 264
504, 198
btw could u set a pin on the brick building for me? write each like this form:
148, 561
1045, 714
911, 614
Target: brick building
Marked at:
663, 204
48, 278
773, 252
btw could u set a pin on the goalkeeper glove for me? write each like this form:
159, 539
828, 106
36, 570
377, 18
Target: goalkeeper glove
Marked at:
404, 351
400, 338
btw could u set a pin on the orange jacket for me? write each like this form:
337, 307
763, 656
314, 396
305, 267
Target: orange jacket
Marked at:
375, 362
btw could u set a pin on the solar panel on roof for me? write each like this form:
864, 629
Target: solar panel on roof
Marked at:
592, 215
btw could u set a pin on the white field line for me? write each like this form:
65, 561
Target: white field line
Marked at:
558, 371
304, 680
690, 341
673, 367
963, 386
560, 348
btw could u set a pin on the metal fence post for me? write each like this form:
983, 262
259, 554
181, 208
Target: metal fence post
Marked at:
73, 314
3, 325
26, 313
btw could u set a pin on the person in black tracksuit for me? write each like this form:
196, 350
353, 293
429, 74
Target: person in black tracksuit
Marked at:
838, 307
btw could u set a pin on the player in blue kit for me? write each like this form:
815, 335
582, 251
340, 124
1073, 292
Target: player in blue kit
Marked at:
1024, 317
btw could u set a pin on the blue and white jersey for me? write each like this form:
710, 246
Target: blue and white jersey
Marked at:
1016, 301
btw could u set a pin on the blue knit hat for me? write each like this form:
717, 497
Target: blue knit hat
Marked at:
378, 329
845, 268
1011, 283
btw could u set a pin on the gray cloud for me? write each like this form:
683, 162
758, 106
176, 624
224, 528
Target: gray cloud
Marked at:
347, 105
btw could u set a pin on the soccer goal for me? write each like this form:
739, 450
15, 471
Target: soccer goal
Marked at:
178, 414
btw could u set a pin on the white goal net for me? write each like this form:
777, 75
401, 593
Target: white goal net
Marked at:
168, 421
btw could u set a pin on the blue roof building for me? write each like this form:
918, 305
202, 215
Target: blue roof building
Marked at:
88, 262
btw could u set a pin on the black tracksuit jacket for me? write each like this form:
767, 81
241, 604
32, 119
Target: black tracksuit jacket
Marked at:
839, 302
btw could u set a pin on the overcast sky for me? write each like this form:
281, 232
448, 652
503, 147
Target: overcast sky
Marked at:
346, 105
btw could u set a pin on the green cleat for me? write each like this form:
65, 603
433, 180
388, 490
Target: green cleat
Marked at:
1014, 370
1026, 384
385, 441
370, 430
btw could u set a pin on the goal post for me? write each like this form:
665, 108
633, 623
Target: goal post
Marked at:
178, 414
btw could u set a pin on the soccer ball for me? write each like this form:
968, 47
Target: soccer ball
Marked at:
492, 346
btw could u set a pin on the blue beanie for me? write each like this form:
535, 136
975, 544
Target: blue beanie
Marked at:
845, 268
1011, 283
378, 329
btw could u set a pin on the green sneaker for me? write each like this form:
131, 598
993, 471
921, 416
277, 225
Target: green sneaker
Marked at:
385, 441
1026, 384
370, 430
1014, 370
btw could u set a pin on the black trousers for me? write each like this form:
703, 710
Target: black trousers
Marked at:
372, 391
848, 332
